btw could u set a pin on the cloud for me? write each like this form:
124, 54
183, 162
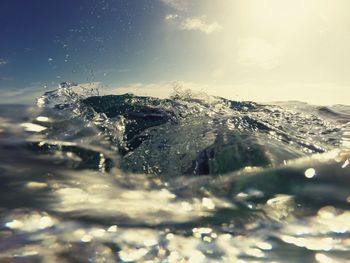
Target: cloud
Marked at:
200, 24
189, 23
3, 62
194, 24
180, 5
257, 52
171, 17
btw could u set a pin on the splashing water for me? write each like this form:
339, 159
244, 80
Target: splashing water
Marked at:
192, 178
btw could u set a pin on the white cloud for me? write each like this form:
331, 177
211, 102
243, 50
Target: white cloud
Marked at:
257, 52
171, 17
189, 23
194, 24
3, 62
200, 24
177, 4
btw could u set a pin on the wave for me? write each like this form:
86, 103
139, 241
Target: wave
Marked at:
198, 134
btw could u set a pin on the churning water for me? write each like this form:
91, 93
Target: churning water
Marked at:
193, 178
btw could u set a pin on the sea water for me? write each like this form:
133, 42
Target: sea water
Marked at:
192, 178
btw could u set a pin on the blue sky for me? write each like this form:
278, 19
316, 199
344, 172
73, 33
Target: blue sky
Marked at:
241, 49
112, 41
45, 42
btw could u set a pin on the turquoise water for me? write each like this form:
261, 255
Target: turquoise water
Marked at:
192, 178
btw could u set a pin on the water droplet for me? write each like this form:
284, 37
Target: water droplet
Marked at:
31, 127
310, 173
86, 238
42, 119
208, 203
15, 224
113, 229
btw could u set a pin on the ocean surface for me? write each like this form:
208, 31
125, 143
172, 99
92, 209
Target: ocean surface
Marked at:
193, 178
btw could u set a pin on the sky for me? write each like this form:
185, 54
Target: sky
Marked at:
260, 50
